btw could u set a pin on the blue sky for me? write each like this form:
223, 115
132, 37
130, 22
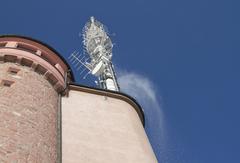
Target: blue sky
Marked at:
185, 52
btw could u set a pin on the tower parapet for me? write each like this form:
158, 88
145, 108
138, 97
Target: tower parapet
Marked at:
36, 55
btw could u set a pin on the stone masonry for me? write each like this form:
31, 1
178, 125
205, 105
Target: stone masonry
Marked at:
28, 116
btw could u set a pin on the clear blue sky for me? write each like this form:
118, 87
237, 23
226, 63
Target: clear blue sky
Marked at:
188, 49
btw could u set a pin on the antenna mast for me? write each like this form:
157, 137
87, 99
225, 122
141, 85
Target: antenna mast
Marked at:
99, 46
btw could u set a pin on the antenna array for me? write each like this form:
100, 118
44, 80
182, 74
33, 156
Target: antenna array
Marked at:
98, 46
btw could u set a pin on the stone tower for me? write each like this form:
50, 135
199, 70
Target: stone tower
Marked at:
45, 117
31, 81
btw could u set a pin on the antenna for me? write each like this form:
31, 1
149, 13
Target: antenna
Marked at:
98, 46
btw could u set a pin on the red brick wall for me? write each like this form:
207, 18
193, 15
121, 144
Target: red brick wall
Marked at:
28, 117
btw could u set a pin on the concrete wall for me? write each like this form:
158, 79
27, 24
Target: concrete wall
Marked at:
97, 129
28, 117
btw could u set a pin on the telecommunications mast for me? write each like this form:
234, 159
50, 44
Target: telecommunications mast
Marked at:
99, 46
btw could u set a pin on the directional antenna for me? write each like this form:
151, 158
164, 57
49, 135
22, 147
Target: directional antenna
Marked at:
80, 63
98, 46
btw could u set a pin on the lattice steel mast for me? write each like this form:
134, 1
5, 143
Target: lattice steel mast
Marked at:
99, 47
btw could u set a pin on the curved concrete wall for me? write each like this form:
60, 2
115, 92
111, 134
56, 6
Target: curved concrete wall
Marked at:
97, 128
28, 116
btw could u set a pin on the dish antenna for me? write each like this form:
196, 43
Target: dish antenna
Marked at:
98, 46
